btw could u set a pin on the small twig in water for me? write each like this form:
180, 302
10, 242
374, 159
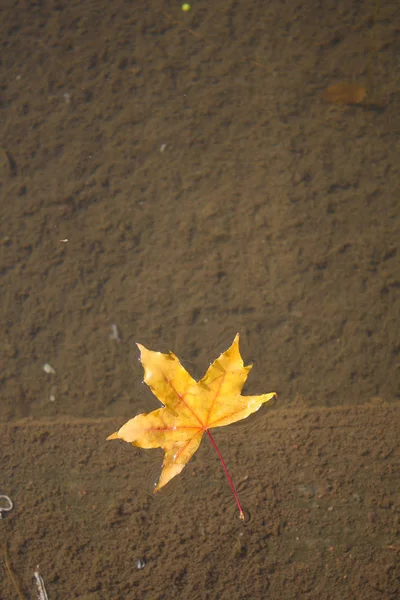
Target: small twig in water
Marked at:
42, 594
11, 574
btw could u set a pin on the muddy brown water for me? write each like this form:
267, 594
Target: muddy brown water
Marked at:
172, 179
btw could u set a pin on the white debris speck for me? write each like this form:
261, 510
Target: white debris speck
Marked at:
163, 147
114, 335
48, 369
140, 563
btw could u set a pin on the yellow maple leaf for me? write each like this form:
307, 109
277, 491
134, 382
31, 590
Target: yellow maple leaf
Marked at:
190, 408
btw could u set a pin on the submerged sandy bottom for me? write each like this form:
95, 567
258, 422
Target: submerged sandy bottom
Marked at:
172, 179
320, 486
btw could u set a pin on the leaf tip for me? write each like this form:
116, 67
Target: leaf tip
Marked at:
234, 347
157, 488
113, 436
271, 395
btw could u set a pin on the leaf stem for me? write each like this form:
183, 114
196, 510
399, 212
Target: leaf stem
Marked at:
241, 513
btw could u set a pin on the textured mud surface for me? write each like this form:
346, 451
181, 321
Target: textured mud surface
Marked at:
320, 486
172, 179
